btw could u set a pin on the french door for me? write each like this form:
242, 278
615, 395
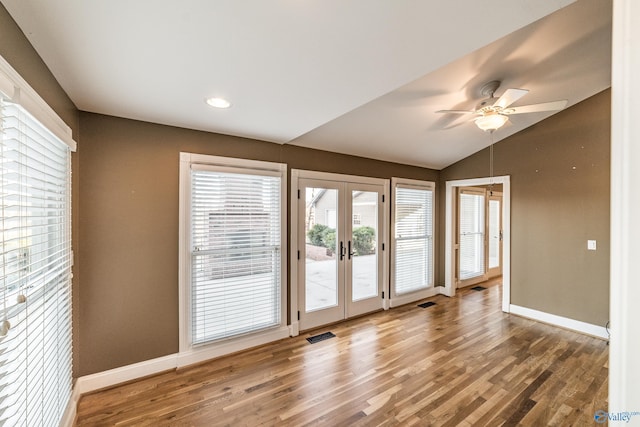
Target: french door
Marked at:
471, 242
340, 238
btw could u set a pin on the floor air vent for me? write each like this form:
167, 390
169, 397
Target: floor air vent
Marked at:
317, 338
479, 288
426, 304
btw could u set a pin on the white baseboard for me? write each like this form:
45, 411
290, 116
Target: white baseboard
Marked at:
294, 329
93, 382
69, 416
112, 377
563, 322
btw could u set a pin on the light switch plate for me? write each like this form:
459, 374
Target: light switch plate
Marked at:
591, 245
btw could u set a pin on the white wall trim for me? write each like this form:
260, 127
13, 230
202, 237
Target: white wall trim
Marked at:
20, 92
396, 300
70, 412
385, 234
294, 328
337, 177
562, 322
624, 351
293, 262
449, 284
112, 377
188, 353
442, 290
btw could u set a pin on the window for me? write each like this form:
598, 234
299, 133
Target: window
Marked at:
234, 244
357, 219
413, 236
35, 335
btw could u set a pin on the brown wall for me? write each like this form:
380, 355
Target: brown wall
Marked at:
559, 172
16, 49
129, 227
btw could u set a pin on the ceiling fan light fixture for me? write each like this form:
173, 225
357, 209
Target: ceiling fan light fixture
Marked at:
491, 122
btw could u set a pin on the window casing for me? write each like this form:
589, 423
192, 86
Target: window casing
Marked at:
412, 255
233, 251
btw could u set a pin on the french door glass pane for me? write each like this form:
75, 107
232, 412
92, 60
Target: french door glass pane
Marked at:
471, 235
321, 260
413, 239
364, 237
494, 233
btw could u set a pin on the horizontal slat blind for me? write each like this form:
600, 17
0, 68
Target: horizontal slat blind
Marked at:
471, 235
413, 239
35, 353
236, 253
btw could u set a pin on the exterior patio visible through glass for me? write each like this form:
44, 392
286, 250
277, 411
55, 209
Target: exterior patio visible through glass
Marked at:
321, 262
322, 246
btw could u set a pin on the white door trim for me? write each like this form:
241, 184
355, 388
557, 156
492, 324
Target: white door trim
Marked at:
449, 264
495, 271
624, 352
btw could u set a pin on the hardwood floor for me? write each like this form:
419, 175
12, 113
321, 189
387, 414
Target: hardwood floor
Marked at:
461, 362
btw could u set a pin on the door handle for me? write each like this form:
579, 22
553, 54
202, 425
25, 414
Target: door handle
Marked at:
349, 250
341, 251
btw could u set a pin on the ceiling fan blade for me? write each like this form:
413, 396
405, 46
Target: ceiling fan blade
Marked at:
509, 97
534, 108
456, 111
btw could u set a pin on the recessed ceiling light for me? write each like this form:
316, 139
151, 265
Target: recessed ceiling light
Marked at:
218, 102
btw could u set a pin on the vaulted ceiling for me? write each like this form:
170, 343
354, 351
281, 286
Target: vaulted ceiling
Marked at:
359, 77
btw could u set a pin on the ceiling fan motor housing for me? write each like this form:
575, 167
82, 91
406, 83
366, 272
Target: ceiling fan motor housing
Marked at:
486, 104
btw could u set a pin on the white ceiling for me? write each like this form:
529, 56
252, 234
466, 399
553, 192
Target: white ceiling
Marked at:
360, 77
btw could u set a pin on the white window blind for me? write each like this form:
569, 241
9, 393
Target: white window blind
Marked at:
35, 351
236, 252
472, 230
413, 239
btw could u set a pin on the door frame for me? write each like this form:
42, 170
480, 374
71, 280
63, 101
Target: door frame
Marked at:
296, 174
495, 271
450, 218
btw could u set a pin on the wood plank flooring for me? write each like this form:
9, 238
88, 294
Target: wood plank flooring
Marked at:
461, 362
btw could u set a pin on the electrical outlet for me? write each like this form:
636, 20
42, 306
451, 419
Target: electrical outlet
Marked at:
591, 245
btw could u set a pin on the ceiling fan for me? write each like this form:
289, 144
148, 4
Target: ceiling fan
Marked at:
493, 112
